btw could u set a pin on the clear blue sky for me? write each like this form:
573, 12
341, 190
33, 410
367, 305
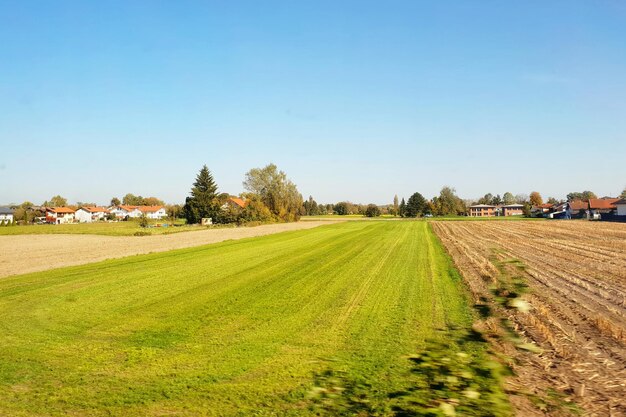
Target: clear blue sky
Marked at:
355, 100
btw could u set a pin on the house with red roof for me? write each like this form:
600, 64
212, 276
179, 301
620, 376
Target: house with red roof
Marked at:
234, 203
133, 212
600, 206
124, 211
542, 210
579, 209
59, 215
152, 212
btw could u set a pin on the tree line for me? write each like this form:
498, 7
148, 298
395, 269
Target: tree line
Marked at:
447, 203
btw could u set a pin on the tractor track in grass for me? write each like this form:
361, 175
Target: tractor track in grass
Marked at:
576, 272
21, 254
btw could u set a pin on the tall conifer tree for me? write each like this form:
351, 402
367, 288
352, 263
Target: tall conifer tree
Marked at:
203, 202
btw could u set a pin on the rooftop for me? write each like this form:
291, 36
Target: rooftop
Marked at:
95, 209
60, 209
149, 209
602, 203
238, 201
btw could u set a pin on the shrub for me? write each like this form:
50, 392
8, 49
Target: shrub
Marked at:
143, 221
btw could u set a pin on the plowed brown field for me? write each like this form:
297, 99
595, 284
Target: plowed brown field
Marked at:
576, 272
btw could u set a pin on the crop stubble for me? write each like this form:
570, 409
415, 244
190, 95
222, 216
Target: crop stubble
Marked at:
576, 272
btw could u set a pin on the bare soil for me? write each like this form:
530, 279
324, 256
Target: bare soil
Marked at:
576, 272
20, 254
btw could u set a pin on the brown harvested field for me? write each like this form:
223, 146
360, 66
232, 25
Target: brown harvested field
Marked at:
576, 273
20, 254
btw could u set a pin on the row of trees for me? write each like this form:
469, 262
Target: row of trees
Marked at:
446, 203
136, 200
269, 196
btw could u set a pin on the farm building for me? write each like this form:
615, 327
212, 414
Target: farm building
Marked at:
59, 215
6, 215
482, 210
513, 210
90, 214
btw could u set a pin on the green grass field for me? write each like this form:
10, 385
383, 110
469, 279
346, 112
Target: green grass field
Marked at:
247, 327
127, 228
388, 217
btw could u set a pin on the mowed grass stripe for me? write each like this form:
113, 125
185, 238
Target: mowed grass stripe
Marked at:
236, 327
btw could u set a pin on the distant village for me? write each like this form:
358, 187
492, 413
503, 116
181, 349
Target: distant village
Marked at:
90, 214
606, 208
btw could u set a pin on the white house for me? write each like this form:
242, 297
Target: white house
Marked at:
132, 212
90, 214
121, 212
152, 212
59, 215
621, 207
6, 215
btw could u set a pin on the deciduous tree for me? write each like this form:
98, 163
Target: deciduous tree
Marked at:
153, 201
341, 208
56, 201
372, 210
448, 203
277, 192
486, 199
552, 200
508, 198
115, 201
133, 200
536, 199
585, 196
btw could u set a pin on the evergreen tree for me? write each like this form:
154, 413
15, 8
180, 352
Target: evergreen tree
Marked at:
416, 206
402, 208
203, 201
